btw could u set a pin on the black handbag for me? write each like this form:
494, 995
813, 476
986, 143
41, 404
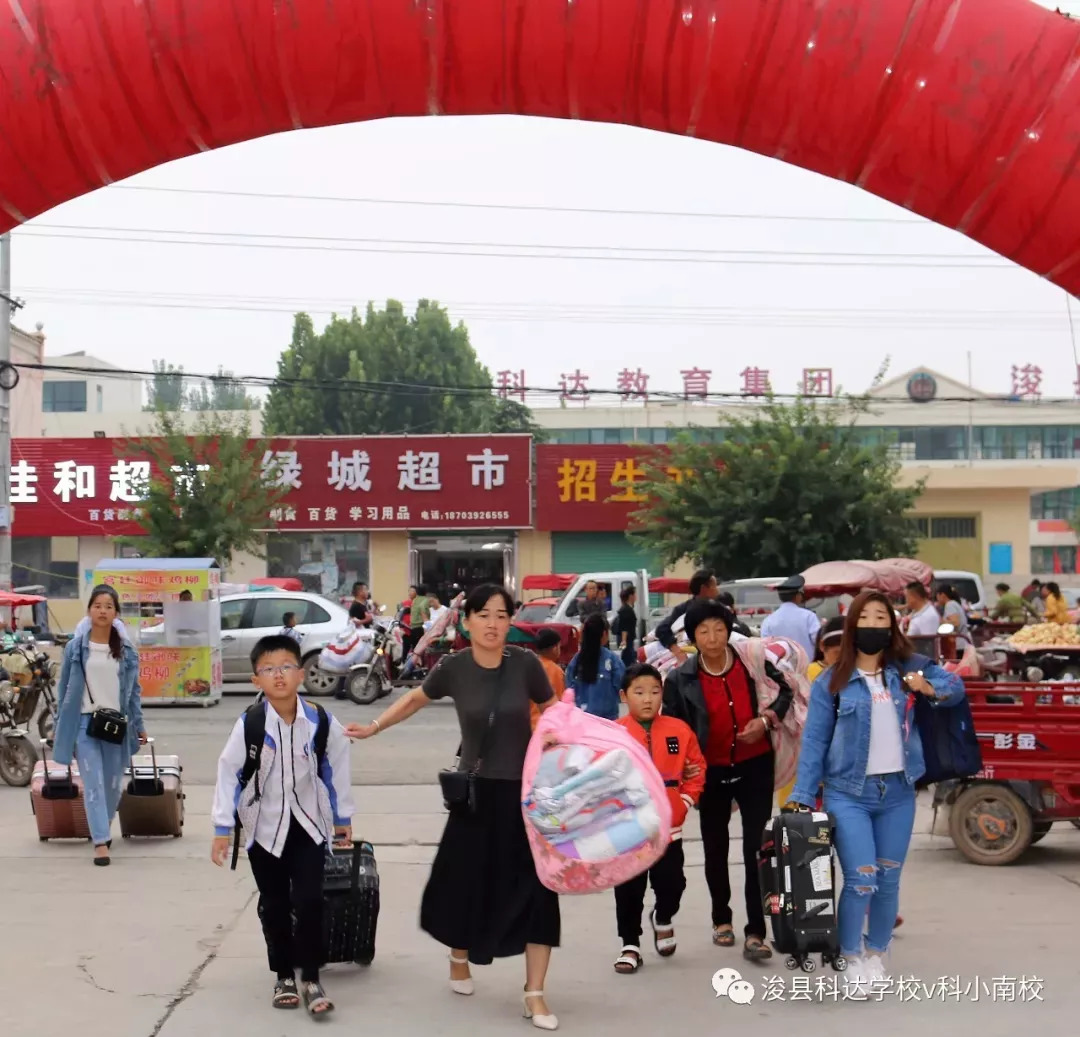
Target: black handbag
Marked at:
458, 786
105, 724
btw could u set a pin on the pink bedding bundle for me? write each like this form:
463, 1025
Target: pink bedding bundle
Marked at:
596, 811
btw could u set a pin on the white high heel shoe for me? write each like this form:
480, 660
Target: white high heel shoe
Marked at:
542, 1022
461, 986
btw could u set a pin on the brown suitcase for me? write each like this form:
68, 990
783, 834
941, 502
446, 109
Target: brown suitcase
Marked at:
57, 800
153, 799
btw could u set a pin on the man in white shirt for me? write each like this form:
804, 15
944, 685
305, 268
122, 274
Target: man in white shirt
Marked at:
924, 617
792, 620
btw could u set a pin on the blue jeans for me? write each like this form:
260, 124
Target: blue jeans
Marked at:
873, 832
101, 767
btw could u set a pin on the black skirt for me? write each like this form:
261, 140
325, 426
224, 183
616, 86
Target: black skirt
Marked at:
483, 894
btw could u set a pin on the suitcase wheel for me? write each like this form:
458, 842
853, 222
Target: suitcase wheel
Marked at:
809, 965
43, 838
792, 963
838, 963
126, 836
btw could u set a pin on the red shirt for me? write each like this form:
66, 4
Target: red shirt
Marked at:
730, 709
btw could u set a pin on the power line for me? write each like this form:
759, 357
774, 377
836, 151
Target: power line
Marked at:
374, 388
634, 249
815, 259
760, 319
508, 207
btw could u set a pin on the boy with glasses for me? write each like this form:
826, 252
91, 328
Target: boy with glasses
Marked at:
298, 796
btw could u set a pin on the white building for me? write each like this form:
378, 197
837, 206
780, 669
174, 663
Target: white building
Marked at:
83, 395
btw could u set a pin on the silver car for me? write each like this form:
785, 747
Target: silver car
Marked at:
247, 617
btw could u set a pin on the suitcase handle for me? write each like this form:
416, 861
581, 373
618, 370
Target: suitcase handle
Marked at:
45, 761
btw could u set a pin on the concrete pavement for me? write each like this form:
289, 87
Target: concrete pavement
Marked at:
163, 943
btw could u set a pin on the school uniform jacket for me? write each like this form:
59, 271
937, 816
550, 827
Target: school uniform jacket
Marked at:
672, 745
289, 782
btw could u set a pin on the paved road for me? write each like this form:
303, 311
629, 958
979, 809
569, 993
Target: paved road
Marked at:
162, 944
411, 754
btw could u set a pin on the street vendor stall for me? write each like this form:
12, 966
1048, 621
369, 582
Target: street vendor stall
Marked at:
171, 608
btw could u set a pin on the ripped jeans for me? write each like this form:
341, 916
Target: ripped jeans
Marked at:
873, 832
101, 767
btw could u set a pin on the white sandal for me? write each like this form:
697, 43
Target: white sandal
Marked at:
541, 1022
665, 946
461, 986
630, 955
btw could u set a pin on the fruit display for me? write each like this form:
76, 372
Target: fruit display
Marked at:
1046, 635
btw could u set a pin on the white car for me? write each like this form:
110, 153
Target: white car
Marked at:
247, 617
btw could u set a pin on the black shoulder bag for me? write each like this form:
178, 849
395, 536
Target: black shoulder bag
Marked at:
107, 725
458, 786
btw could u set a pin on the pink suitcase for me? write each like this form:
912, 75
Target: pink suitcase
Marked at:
57, 800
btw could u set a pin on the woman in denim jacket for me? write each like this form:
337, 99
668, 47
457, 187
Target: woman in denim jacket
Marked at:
99, 651
861, 742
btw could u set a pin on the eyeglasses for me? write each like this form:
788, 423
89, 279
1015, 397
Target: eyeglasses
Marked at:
273, 671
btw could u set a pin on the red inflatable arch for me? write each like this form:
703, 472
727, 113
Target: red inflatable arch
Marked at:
965, 111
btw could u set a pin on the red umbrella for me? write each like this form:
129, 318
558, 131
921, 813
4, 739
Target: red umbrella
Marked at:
8, 599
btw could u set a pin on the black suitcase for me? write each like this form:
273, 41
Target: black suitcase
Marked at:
350, 904
798, 888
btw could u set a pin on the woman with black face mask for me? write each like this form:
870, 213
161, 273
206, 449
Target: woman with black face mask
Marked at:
861, 741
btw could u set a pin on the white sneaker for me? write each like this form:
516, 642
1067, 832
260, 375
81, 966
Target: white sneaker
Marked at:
857, 979
878, 972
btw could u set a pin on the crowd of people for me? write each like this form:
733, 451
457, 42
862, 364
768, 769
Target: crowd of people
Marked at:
708, 726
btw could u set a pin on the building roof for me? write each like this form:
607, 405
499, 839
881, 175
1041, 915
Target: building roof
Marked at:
943, 385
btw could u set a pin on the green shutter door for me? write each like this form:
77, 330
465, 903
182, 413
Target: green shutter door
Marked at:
601, 552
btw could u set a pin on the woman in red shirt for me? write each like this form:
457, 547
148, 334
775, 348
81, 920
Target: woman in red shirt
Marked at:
714, 693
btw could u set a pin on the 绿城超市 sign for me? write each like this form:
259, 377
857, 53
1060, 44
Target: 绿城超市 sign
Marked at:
83, 487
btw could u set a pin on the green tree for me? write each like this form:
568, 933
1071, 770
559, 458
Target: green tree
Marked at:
167, 388
383, 372
783, 489
222, 392
208, 495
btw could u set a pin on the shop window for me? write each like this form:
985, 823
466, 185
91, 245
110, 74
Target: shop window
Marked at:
1056, 504
46, 562
325, 563
952, 528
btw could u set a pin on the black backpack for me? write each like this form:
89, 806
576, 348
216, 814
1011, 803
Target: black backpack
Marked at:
254, 737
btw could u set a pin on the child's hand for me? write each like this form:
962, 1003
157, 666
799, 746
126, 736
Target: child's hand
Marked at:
343, 835
219, 849
550, 740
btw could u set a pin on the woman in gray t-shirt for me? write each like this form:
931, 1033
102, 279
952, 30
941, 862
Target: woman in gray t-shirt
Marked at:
483, 899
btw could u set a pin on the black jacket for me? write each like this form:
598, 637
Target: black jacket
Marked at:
663, 631
684, 698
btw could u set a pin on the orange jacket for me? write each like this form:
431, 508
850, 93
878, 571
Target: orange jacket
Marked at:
672, 745
558, 685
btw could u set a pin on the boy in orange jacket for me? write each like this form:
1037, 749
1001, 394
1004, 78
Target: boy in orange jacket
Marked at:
675, 752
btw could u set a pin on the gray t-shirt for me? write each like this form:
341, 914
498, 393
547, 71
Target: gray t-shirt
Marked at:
474, 689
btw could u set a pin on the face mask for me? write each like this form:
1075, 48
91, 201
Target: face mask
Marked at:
872, 640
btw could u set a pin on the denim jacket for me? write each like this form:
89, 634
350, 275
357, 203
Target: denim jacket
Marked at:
836, 738
69, 697
601, 697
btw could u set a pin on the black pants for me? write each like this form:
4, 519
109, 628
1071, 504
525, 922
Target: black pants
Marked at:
291, 883
668, 882
750, 785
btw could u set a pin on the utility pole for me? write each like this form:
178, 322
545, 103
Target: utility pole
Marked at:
6, 306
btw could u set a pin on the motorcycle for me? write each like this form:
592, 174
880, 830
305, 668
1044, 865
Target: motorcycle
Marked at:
17, 752
371, 680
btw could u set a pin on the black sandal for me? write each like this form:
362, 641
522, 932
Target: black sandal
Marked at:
756, 949
723, 937
286, 994
316, 1001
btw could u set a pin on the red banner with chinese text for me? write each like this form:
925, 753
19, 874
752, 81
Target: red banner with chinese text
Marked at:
80, 487
588, 488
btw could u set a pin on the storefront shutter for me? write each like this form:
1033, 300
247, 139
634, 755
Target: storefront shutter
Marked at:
600, 552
